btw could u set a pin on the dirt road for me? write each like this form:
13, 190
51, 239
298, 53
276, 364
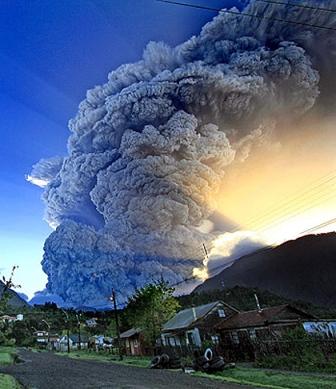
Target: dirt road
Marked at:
48, 371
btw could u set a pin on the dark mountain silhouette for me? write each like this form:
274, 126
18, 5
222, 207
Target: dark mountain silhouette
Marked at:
15, 300
302, 269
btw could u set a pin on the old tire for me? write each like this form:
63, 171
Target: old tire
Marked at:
156, 363
201, 361
217, 364
208, 354
164, 360
216, 359
205, 367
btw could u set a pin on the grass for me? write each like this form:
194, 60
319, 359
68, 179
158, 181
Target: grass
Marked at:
93, 356
255, 377
7, 355
273, 380
8, 382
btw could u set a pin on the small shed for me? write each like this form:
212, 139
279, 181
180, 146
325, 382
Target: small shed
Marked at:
133, 341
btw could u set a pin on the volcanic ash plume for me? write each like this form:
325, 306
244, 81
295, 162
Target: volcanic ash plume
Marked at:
149, 149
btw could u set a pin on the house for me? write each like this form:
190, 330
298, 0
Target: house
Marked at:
192, 326
53, 341
96, 342
262, 324
7, 319
11, 319
324, 328
133, 342
62, 344
91, 323
41, 337
100, 342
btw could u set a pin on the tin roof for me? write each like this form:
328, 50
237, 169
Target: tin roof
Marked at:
129, 333
261, 317
186, 317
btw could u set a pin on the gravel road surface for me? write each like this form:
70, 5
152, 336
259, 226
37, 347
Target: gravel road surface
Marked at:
48, 371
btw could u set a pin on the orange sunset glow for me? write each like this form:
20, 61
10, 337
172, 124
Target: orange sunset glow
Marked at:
283, 193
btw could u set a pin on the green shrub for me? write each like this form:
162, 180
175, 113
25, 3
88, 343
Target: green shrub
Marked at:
299, 351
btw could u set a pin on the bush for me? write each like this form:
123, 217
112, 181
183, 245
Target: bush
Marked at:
299, 351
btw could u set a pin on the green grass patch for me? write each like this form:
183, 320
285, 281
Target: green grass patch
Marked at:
273, 380
7, 355
8, 382
103, 357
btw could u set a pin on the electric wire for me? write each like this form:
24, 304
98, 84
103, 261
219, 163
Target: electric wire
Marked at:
269, 246
303, 6
245, 14
303, 193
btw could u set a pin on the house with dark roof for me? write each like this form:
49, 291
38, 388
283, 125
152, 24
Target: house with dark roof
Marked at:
266, 323
192, 326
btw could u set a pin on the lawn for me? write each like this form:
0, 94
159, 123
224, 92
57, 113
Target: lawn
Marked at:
6, 355
275, 380
8, 382
93, 356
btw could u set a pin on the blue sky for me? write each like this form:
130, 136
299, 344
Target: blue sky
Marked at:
51, 52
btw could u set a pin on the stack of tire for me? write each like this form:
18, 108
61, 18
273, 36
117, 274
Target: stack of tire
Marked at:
209, 363
164, 361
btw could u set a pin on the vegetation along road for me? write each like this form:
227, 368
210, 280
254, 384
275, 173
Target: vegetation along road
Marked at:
49, 371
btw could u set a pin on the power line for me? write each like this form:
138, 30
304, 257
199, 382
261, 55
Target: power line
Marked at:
286, 203
301, 194
247, 15
313, 198
324, 224
291, 4
314, 228
298, 196
289, 216
223, 266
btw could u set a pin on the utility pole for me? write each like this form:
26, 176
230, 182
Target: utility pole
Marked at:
44, 321
79, 331
113, 299
68, 329
257, 303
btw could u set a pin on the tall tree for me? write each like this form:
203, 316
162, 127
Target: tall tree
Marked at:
5, 296
150, 307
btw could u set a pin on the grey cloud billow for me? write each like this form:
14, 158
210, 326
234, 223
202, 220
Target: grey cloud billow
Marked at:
149, 148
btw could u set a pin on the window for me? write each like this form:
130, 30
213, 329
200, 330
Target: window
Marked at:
235, 337
190, 337
215, 339
252, 333
221, 313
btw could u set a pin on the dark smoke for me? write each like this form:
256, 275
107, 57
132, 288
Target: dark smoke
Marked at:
149, 148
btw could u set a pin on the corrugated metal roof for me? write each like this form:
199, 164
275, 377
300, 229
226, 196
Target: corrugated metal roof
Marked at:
186, 317
130, 332
260, 317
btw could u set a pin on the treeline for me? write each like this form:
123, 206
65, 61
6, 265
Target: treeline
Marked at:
243, 299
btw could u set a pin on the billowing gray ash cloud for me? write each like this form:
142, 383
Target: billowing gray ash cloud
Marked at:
149, 148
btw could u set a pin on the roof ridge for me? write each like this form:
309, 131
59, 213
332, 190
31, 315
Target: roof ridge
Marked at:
266, 308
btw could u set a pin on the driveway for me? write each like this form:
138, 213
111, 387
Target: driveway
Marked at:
48, 371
